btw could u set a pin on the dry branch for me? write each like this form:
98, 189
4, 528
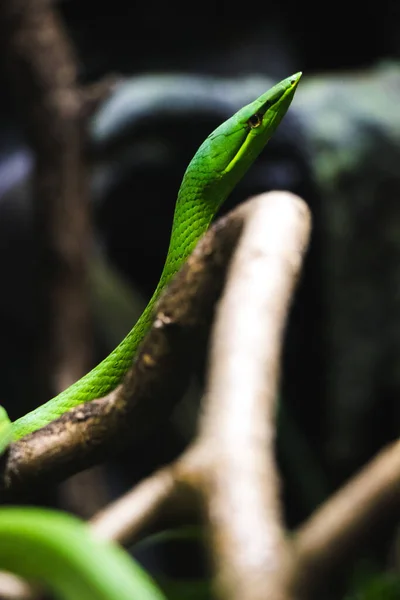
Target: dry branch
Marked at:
333, 534
159, 494
325, 542
159, 375
238, 427
230, 469
14, 588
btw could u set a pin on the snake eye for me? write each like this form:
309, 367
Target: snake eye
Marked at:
255, 121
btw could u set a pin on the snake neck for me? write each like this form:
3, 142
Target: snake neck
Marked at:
193, 213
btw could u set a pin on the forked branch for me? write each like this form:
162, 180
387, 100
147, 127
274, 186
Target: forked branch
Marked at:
229, 471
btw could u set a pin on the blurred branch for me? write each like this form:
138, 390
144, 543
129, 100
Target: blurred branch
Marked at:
159, 494
43, 69
94, 94
342, 525
54, 110
329, 538
237, 434
230, 468
14, 588
228, 474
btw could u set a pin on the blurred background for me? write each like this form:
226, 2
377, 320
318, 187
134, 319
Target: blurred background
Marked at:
181, 69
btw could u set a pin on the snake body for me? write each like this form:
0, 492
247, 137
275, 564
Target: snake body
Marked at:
55, 548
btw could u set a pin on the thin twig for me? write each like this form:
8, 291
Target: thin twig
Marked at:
343, 523
127, 518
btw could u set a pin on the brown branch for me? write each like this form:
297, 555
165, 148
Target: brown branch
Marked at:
331, 536
43, 69
226, 468
341, 526
238, 427
90, 432
230, 468
127, 518
54, 110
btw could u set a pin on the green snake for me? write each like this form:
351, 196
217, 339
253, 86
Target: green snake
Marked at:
216, 168
57, 549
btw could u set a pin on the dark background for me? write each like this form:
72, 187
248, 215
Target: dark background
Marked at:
133, 212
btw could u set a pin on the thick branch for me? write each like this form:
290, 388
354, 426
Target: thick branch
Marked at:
238, 428
230, 468
43, 69
331, 536
88, 433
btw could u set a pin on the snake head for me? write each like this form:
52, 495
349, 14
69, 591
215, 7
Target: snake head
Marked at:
229, 151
